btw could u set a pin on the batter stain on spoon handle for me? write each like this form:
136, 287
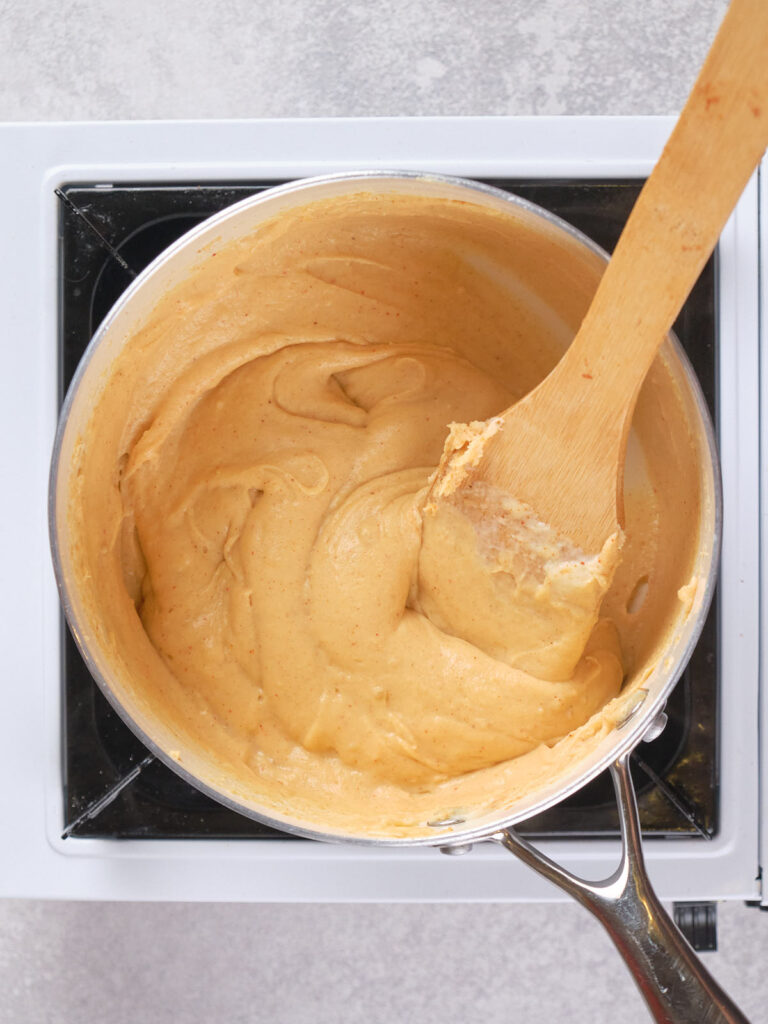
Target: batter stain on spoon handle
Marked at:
561, 448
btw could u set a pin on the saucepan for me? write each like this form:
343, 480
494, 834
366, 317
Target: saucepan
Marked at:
556, 279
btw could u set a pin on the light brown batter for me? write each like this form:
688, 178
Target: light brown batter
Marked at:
255, 483
492, 573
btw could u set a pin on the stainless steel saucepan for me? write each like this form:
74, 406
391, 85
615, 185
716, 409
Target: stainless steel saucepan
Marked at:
671, 978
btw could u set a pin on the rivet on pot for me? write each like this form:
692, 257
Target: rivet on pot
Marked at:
630, 714
445, 822
456, 851
656, 728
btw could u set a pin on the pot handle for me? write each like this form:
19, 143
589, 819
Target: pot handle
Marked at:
672, 979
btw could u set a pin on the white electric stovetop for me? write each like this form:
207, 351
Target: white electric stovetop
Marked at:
34, 860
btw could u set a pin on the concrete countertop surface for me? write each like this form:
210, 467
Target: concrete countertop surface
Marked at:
87, 60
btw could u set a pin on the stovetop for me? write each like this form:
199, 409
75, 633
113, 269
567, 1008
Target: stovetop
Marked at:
35, 761
107, 234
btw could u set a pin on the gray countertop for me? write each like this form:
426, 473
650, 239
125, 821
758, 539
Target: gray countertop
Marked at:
182, 59
261, 58
381, 964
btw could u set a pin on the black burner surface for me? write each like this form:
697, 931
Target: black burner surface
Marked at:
99, 750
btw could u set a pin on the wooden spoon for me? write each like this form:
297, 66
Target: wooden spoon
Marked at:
561, 448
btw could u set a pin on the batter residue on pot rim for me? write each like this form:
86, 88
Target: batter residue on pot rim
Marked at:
253, 530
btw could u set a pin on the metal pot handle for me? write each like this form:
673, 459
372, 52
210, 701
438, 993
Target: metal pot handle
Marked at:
672, 979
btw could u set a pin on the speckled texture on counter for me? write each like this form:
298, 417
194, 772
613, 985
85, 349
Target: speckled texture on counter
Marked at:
189, 964
240, 58
164, 963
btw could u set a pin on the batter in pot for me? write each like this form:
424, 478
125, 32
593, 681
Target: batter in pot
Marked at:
257, 483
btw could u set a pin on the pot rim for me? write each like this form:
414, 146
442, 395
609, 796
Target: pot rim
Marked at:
629, 732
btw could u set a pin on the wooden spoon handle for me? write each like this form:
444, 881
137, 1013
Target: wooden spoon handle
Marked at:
674, 226
561, 448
